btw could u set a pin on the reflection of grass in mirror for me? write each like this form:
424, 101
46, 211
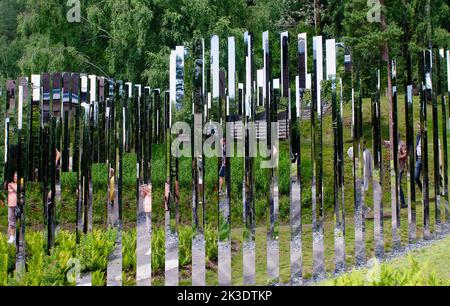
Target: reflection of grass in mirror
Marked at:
68, 200
173, 223
129, 257
276, 233
224, 228
100, 189
98, 278
247, 233
211, 244
185, 246
158, 250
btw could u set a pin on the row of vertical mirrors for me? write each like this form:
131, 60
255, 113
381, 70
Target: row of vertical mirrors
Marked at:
212, 115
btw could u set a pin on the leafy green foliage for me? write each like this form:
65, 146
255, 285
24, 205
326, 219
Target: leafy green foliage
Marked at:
185, 235
129, 251
158, 250
95, 249
414, 275
98, 278
52, 269
7, 260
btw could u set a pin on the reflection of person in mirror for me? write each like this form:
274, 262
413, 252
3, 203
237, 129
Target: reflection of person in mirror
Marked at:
223, 165
367, 172
146, 192
274, 156
58, 158
441, 169
111, 186
166, 196
199, 168
49, 203
402, 160
36, 175
177, 199
58, 163
418, 166
402, 163
367, 165
12, 203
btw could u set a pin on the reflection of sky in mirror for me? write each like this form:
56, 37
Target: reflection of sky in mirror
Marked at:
331, 58
36, 83
409, 94
265, 38
318, 56
284, 36
297, 95
93, 92
303, 51
129, 87
231, 68
172, 83
179, 76
85, 106
448, 70
248, 75
20, 106
139, 90
84, 83
215, 65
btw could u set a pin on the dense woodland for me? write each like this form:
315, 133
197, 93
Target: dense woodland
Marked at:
131, 39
